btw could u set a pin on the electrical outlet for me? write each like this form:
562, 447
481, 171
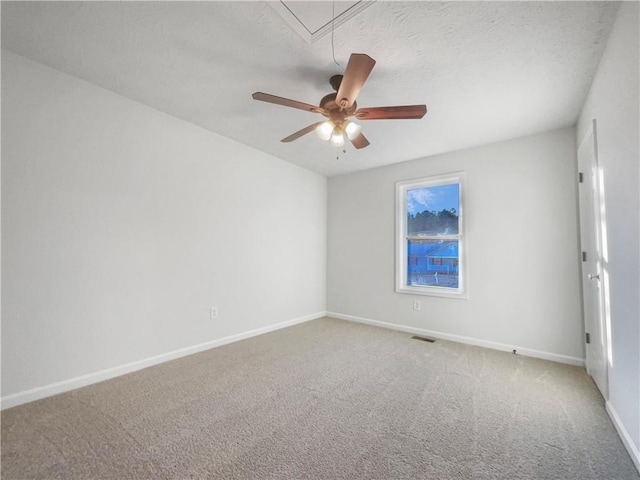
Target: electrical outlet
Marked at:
214, 312
416, 305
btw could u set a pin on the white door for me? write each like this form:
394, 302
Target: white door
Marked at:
593, 276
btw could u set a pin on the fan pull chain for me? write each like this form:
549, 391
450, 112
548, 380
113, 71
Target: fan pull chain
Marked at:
333, 19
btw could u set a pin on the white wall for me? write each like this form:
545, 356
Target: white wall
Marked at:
614, 102
122, 226
522, 242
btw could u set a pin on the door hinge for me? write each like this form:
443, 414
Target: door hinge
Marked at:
588, 338
584, 256
580, 177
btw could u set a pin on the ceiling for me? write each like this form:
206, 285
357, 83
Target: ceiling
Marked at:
488, 71
313, 20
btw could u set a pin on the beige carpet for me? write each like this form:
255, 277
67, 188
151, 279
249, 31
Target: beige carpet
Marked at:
324, 400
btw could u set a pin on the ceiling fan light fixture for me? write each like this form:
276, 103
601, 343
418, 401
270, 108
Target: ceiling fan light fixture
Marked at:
324, 130
336, 107
352, 129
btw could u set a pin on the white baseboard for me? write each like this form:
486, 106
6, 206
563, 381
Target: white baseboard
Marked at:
84, 380
528, 352
634, 453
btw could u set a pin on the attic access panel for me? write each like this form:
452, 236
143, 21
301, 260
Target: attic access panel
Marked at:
312, 20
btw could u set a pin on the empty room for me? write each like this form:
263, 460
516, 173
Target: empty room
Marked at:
320, 240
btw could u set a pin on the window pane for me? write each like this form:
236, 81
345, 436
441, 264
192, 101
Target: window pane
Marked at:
432, 263
433, 210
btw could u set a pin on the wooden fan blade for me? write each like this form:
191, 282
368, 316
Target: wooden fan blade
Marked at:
357, 72
299, 133
285, 102
360, 141
391, 113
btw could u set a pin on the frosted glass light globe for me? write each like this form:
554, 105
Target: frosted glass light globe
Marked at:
337, 138
324, 130
352, 129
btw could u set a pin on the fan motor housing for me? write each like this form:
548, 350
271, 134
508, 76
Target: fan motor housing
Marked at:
328, 103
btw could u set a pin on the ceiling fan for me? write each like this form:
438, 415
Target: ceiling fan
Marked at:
339, 106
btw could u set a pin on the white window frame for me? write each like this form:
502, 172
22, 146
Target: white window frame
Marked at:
401, 237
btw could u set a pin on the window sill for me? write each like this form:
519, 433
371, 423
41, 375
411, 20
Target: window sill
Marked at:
433, 292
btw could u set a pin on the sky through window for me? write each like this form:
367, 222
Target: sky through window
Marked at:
433, 199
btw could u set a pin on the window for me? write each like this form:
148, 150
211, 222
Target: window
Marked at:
429, 236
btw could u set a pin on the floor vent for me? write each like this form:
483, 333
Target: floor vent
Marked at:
424, 339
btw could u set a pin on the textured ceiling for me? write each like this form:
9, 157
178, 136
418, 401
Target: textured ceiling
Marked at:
488, 71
